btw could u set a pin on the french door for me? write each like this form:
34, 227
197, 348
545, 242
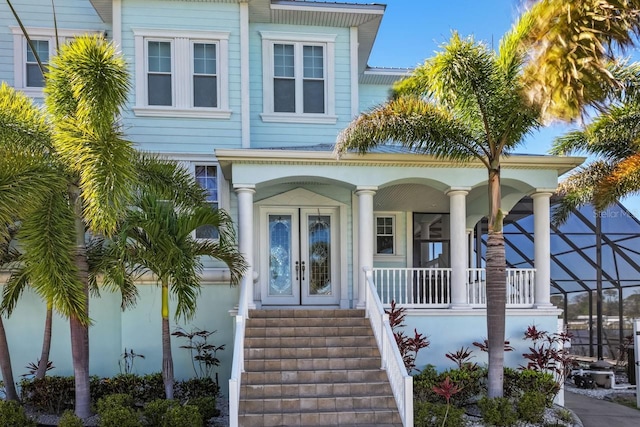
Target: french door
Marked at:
300, 258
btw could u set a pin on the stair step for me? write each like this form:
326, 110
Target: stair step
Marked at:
270, 342
310, 352
330, 418
307, 313
275, 322
308, 331
306, 404
317, 376
313, 364
257, 391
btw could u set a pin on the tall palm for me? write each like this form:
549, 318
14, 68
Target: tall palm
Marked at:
8, 256
158, 235
464, 103
76, 148
571, 44
613, 138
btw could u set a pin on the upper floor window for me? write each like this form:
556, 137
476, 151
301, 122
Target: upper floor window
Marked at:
181, 73
298, 77
27, 74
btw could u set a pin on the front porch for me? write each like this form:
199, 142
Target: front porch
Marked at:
425, 288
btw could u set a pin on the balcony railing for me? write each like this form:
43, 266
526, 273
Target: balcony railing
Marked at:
431, 287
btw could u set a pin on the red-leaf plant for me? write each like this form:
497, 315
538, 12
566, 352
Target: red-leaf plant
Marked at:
548, 353
446, 389
462, 358
408, 346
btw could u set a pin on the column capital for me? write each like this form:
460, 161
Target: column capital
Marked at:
455, 191
244, 188
542, 192
366, 189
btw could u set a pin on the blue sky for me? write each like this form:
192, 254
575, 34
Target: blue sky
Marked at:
412, 30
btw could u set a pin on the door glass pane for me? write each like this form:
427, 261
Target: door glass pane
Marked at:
319, 255
280, 255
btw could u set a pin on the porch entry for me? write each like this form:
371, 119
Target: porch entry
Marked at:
301, 256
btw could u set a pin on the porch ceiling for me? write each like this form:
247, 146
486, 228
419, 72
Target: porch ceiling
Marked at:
410, 197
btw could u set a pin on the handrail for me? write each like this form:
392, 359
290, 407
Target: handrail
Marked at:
237, 368
401, 382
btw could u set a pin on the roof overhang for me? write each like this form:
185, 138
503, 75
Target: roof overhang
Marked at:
227, 157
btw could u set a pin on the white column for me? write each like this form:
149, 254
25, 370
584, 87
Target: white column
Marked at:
458, 244
542, 247
245, 237
365, 237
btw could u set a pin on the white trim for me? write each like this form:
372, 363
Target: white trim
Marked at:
353, 49
322, 8
182, 73
116, 25
245, 78
298, 40
298, 118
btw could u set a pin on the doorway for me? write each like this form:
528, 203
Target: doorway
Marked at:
300, 256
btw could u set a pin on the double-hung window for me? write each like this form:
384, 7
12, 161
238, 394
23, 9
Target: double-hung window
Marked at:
298, 77
27, 74
207, 177
385, 235
181, 73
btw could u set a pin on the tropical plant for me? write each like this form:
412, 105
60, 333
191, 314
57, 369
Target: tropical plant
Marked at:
407, 346
612, 138
203, 353
158, 234
571, 44
8, 256
67, 170
467, 102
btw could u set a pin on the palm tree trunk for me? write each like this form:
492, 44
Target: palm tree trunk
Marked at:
167, 359
46, 343
5, 366
80, 329
496, 288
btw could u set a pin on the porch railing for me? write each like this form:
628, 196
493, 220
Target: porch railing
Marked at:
237, 368
401, 382
431, 287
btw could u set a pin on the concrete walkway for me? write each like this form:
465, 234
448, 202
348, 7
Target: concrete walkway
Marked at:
599, 413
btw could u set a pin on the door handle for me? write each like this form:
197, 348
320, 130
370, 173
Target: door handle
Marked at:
303, 268
297, 268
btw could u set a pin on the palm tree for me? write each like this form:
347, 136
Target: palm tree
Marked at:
158, 235
612, 138
80, 169
464, 103
8, 256
571, 45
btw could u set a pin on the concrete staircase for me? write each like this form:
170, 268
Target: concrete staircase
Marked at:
313, 368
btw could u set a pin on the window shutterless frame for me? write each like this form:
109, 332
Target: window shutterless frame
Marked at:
187, 74
298, 77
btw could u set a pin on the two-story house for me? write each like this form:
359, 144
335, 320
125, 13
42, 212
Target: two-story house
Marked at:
250, 96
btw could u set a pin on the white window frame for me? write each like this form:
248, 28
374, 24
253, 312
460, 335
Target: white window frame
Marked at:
182, 42
394, 231
298, 40
222, 196
20, 52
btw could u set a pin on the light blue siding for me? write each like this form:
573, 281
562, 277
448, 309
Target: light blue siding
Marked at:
184, 135
372, 95
289, 134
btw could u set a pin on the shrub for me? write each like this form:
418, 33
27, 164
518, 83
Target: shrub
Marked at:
206, 406
69, 419
516, 383
470, 382
51, 394
12, 414
531, 407
429, 414
182, 416
117, 410
195, 387
142, 389
498, 411
155, 410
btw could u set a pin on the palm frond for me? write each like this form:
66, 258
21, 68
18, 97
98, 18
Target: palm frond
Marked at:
12, 291
624, 180
413, 123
